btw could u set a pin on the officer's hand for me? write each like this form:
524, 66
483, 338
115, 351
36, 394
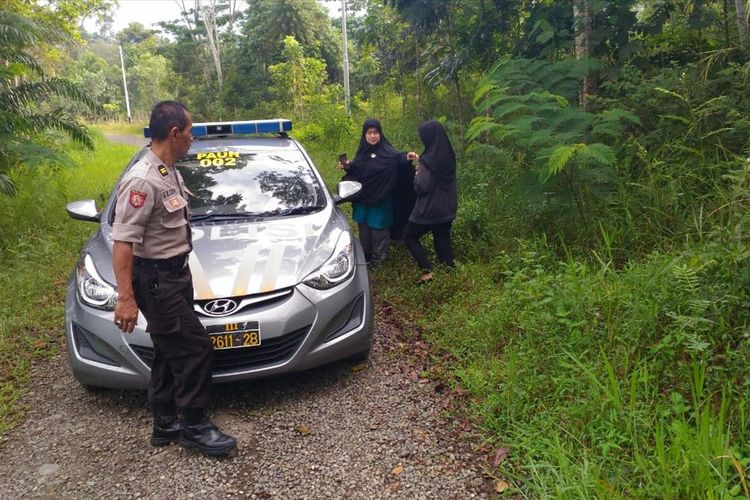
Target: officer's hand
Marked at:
126, 314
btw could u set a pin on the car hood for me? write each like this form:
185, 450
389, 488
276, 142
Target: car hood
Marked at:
231, 259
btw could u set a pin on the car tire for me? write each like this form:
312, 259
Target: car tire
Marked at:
361, 357
94, 389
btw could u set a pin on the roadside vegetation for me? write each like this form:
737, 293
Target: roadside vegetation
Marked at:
38, 246
596, 328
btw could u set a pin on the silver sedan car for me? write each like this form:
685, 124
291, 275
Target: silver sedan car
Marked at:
280, 281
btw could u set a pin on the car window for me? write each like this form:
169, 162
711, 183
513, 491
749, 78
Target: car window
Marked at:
238, 181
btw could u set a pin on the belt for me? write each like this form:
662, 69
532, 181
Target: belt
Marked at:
177, 263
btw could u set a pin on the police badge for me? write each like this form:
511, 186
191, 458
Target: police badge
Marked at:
137, 199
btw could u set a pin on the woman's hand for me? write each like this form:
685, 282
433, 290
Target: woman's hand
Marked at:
411, 156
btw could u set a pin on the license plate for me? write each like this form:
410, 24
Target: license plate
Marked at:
234, 335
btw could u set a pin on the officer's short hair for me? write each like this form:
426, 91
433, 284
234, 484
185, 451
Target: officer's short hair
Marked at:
164, 116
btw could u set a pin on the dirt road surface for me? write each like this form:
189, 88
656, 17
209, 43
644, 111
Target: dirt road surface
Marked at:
368, 430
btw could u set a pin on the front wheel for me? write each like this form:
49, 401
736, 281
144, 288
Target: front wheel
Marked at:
363, 356
93, 389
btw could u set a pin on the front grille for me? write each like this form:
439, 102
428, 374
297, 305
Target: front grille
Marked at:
270, 352
265, 299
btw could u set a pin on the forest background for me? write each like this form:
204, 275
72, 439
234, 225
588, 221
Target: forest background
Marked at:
597, 324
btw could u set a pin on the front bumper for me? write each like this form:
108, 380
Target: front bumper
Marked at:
301, 330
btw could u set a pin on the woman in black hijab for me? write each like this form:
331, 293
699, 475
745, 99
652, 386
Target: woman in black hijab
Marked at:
437, 199
380, 168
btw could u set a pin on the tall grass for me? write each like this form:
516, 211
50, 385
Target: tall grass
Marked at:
602, 382
38, 246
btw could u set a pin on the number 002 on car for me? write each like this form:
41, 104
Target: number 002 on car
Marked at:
234, 335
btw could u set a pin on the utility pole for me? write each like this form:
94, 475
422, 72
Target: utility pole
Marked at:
346, 58
125, 85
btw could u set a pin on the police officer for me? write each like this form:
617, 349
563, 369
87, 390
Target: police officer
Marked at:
152, 240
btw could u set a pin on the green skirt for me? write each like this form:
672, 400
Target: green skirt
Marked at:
379, 216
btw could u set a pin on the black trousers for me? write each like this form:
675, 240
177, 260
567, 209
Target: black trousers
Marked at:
183, 355
374, 242
441, 234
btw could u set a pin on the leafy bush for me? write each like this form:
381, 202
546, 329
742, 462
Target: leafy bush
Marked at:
681, 174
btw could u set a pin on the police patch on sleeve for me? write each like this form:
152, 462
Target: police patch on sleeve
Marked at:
137, 199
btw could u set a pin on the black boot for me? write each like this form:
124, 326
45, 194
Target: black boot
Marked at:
167, 428
200, 433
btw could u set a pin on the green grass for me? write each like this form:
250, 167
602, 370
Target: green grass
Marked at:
134, 128
602, 383
38, 246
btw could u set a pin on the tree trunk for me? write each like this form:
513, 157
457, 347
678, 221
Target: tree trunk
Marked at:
725, 12
191, 30
742, 25
582, 28
212, 35
456, 79
416, 75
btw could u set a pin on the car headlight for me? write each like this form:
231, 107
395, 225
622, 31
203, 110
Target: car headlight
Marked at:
337, 268
92, 289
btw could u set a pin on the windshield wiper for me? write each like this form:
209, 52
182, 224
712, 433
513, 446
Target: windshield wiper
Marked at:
224, 216
290, 211
302, 210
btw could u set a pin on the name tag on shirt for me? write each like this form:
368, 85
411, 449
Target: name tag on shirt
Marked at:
174, 203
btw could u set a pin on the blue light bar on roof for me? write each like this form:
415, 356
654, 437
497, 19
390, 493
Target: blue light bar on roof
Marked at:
236, 128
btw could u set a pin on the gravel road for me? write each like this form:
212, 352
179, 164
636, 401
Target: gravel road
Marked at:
372, 430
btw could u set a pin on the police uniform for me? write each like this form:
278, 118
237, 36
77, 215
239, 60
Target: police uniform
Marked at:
152, 214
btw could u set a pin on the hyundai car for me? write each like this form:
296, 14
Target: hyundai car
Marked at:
280, 280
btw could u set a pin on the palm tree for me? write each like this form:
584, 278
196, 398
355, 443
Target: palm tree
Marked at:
25, 107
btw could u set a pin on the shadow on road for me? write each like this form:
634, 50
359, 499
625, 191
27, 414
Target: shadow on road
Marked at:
251, 395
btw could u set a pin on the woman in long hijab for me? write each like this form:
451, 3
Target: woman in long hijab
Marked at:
437, 200
379, 167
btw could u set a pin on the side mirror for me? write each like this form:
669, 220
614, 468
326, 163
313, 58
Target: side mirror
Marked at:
346, 190
83, 210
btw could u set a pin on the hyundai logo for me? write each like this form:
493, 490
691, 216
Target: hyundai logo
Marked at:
220, 307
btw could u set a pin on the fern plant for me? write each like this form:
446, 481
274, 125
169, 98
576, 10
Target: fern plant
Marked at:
525, 106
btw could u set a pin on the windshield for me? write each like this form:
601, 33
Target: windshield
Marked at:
235, 182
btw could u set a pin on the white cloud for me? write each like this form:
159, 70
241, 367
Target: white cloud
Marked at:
146, 12
150, 12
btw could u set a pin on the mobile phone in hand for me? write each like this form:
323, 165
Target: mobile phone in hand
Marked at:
343, 159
